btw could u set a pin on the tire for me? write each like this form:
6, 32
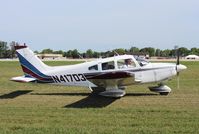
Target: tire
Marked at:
164, 93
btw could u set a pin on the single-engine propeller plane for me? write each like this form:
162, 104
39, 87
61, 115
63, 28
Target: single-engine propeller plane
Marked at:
106, 76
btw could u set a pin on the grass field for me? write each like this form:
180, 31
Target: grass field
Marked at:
38, 108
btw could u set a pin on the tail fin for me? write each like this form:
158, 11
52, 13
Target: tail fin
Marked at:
31, 65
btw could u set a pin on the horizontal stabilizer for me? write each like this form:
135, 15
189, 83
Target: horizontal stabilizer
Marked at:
22, 79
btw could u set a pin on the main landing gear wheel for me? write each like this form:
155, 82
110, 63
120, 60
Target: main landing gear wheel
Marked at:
164, 93
113, 93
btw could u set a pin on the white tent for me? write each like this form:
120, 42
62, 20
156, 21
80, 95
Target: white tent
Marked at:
192, 57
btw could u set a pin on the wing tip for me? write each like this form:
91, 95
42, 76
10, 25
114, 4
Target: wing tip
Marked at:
22, 79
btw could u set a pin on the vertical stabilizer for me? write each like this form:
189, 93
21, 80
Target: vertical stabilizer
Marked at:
31, 65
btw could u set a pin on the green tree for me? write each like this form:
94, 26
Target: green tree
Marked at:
134, 50
120, 51
89, 53
47, 51
149, 50
194, 50
173, 53
12, 49
184, 51
59, 52
165, 53
8, 53
96, 54
157, 52
68, 54
75, 53
107, 54
3, 49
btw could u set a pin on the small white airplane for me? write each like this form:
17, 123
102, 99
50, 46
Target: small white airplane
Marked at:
107, 76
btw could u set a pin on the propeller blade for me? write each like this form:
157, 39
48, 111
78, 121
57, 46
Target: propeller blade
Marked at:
178, 63
178, 57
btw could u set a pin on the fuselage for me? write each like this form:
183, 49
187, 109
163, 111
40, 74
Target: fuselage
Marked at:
79, 74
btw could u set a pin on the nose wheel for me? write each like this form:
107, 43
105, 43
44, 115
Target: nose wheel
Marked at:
161, 89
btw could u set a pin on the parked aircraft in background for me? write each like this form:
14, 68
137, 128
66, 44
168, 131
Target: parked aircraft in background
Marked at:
107, 76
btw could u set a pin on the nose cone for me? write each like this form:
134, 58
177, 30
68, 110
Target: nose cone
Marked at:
180, 68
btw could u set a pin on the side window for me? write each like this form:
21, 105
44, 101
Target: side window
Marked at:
95, 67
125, 63
108, 65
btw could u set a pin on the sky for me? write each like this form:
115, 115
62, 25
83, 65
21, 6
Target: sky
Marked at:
100, 25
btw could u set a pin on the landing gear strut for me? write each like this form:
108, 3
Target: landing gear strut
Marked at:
161, 89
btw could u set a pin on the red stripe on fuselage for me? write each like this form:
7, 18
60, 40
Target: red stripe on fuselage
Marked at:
28, 71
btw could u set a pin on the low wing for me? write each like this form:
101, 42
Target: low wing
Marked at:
22, 79
112, 79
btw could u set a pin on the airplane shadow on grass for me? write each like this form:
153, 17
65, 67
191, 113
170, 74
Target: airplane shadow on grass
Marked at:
92, 100
15, 94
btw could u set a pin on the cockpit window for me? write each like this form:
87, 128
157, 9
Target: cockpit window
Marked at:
95, 67
108, 65
125, 63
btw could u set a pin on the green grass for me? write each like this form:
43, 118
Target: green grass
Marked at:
39, 108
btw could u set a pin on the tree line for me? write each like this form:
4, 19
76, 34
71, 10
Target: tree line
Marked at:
7, 51
133, 50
